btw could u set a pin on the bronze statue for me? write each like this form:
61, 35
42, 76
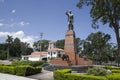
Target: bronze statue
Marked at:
70, 19
65, 57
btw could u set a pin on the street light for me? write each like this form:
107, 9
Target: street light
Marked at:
41, 35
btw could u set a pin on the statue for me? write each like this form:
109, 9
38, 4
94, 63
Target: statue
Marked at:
65, 57
70, 19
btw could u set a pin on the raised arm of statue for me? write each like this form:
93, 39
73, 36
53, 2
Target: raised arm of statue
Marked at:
70, 17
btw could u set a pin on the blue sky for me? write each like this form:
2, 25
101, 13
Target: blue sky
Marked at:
26, 19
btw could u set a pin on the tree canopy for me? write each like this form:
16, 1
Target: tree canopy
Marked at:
107, 12
14, 48
97, 46
41, 43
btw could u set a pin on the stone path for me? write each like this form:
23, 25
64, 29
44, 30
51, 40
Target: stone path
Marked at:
44, 75
13, 77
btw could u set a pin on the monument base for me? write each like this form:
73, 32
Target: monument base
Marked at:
60, 62
79, 61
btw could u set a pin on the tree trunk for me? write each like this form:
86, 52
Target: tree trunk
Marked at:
118, 42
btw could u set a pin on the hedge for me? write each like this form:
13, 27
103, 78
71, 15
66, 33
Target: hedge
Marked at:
111, 68
23, 70
27, 70
82, 77
59, 74
31, 63
115, 76
65, 74
115, 71
7, 69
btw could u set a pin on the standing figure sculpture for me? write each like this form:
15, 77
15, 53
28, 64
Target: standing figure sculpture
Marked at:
70, 19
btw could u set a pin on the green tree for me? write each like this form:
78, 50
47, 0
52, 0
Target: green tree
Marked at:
97, 45
9, 42
29, 50
60, 43
41, 43
3, 52
79, 44
25, 49
17, 47
107, 12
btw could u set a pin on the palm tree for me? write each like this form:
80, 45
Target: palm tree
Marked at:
9, 41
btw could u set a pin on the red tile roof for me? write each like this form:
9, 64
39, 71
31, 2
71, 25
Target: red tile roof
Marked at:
39, 53
56, 49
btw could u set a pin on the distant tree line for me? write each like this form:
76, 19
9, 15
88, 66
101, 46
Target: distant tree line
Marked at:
14, 48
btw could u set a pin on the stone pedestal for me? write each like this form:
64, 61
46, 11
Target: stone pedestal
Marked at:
60, 62
70, 46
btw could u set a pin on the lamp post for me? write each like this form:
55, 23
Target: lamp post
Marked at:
41, 35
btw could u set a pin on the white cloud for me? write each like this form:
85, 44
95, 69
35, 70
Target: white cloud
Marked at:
13, 11
21, 35
23, 23
14, 24
4, 34
1, 24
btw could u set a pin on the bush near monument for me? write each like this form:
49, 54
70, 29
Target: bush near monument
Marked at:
82, 77
97, 71
115, 76
65, 74
59, 74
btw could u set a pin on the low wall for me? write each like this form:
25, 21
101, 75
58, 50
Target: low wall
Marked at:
74, 68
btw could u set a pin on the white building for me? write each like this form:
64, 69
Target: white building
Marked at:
36, 56
54, 52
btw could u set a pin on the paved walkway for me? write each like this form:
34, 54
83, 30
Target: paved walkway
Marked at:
13, 77
44, 75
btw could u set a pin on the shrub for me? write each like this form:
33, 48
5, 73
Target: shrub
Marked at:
113, 76
97, 71
108, 67
7, 69
31, 63
82, 77
111, 68
38, 69
21, 70
59, 74
27, 70
33, 70
115, 71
